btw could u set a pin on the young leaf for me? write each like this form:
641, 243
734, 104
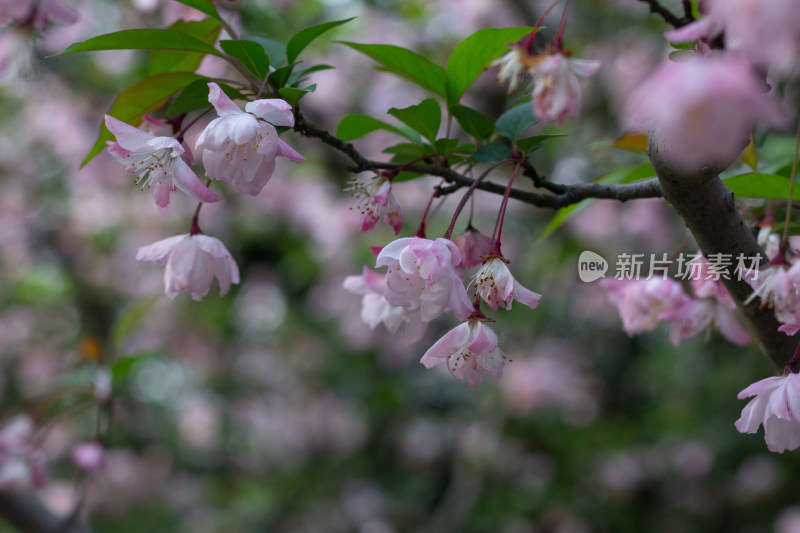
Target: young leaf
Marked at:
757, 185
492, 153
306, 36
424, 117
474, 122
529, 144
139, 99
204, 6
141, 40
405, 64
516, 121
356, 125
206, 30
195, 96
474, 54
293, 94
301, 75
251, 54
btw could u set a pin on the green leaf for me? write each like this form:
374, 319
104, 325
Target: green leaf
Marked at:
141, 40
529, 144
195, 96
405, 64
305, 37
424, 117
293, 94
492, 153
123, 366
206, 30
445, 146
204, 6
251, 54
300, 76
516, 121
757, 185
409, 150
280, 77
473, 122
356, 125
276, 51
139, 99
129, 319
474, 54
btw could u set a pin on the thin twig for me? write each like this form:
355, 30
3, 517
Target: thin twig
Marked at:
667, 15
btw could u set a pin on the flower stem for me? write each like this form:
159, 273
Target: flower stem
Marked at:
549, 8
560, 34
467, 195
498, 226
421, 230
184, 129
791, 366
785, 240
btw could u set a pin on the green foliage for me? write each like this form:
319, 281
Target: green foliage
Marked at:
276, 51
757, 185
204, 6
251, 54
195, 96
492, 153
293, 94
425, 118
356, 125
206, 30
529, 144
139, 99
473, 55
516, 121
142, 40
405, 64
304, 37
474, 122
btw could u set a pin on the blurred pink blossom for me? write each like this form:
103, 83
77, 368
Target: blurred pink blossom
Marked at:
22, 464
641, 303
557, 91
776, 406
375, 201
240, 147
88, 456
192, 262
37, 13
469, 350
474, 247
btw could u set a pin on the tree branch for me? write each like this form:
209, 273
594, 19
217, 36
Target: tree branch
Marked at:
26, 513
710, 213
667, 15
560, 195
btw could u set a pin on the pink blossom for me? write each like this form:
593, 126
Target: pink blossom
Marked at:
22, 464
704, 109
694, 316
776, 406
469, 350
776, 287
36, 13
557, 91
497, 287
474, 247
763, 32
641, 303
157, 162
375, 309
375, 201
422, 276
240, 147
88, 456
192, 261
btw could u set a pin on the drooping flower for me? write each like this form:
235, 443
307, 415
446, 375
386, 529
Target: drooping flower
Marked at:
474, 247
240, 147
642, 303
557, 91
469, 350
497, 287
192, 262
157, 162
375, 201
704, 109
512, 66
422, 276
22, 463
776, 406
375, 309
693, 316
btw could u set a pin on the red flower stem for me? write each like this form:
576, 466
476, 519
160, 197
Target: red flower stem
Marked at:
536, 26
467, 195
498, 226
791, 366
195, 228
421, 230
179, 136
785, 240
560, 34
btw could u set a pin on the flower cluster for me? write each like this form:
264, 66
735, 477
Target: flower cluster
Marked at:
776, 406
643, 304
238, 148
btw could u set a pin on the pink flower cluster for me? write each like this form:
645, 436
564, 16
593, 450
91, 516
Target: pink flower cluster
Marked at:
776, 406
22, 464
239, 148
424, 280
643, 304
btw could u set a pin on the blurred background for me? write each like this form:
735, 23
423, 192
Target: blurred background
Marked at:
276, 408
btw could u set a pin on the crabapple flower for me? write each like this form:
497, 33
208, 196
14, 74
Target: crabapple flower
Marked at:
776, 406
474, 247
422, 276
497, 287
375, 201
88, 456
22, 464
557, 91
192, 262
375, 309
240, 147
469, 350
157, 163
693, 316
775, 286
704, 109
512, 66
641, 303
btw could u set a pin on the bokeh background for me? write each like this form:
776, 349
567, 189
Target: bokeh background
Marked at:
276, 408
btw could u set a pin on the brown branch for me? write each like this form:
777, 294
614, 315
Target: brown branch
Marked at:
667, 15
27, 514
